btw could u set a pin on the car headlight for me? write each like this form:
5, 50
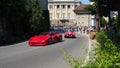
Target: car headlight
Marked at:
43, 40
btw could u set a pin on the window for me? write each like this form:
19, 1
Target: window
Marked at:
63, 6
68, 15
50, 6
58, 15
82, 22
58, 6
82, 17
68, 6
75, 6
63, 15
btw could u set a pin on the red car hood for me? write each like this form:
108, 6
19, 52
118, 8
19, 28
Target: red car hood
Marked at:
39, 38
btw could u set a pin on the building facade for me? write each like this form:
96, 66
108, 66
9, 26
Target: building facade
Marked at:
61, 11
83, 17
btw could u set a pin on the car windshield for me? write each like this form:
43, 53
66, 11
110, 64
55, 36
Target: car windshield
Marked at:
46, 34
69, 30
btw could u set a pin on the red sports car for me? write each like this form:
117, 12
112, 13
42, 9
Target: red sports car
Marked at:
45, 38
69, 34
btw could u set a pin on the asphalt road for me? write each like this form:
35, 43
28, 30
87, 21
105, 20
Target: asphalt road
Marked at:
21, 55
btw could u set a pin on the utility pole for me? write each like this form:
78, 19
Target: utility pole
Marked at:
97, 16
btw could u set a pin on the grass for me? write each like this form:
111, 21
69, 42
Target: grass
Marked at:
107, 53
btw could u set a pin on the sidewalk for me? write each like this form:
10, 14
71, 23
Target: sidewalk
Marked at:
91, 52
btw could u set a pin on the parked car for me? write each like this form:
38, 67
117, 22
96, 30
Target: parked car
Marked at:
69, 34
45, 38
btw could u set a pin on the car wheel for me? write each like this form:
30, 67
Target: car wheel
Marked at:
74, 36
60, 39
64, 36
50, 41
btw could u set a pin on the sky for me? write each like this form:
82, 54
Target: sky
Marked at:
85, 1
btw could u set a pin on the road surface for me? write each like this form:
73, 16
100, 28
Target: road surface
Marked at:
21, 55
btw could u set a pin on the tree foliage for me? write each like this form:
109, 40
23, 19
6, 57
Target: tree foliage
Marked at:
103, 22
103, 7
21, 16
19, 19
93, 0
99, 6
36, 15
91, 8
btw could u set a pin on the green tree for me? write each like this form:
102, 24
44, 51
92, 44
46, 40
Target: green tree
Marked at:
21, 16
92, 7
99, 6
103, 22
13, 12
103, 7
36, 15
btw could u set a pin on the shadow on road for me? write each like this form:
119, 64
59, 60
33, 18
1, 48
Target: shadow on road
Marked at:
14, 42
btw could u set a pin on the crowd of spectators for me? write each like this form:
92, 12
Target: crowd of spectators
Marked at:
86, 29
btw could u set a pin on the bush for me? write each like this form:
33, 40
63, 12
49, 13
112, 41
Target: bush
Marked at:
101, 37
107, 53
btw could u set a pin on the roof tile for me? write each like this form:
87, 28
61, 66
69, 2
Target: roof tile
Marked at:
81, 6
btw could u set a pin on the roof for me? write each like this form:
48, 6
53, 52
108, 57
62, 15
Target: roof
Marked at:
81, 6
81, 9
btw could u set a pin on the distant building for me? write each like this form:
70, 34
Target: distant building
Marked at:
61, 11
83, 17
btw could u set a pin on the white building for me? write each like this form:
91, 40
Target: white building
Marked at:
61, 11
